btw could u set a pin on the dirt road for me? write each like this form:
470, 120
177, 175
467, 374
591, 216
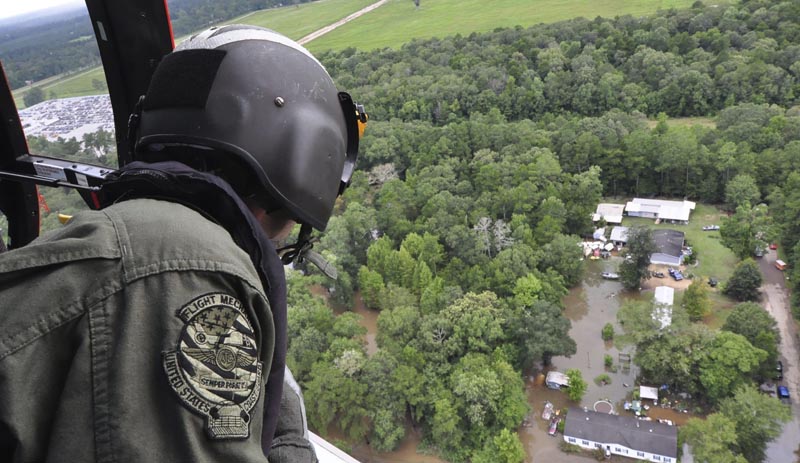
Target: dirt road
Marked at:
326, 29
776, 302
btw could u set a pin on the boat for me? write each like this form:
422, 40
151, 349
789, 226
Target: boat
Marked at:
548, 411
610, 276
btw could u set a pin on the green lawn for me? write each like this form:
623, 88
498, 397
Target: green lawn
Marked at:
398, 21
714, 258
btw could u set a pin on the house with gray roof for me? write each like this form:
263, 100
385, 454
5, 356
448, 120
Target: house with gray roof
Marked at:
669, 247
622, 435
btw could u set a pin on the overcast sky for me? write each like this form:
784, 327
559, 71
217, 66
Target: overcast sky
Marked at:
16, 7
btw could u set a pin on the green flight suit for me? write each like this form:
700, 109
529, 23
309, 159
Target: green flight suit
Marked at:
137, 333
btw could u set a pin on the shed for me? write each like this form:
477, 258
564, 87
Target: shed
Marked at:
611, 213
648, 392
619, 236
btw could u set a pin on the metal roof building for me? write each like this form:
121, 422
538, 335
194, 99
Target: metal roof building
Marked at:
673, 211
622, 435
612, 213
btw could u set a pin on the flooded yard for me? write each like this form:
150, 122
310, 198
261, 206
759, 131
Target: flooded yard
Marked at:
589, 307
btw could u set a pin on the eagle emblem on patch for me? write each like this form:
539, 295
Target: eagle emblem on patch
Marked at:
215, 369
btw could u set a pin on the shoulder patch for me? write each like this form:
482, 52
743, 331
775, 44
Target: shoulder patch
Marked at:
214, 369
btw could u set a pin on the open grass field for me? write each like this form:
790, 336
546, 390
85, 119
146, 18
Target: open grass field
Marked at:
292, 21
686, 122
297, 21
399, 21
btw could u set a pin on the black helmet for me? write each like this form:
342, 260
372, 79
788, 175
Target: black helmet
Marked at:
261, 110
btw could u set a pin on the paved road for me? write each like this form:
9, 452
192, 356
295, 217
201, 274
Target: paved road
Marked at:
776, 302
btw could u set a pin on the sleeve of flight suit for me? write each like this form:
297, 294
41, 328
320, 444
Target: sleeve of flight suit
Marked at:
291, 444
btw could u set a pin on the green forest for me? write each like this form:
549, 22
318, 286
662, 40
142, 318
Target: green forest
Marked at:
483, 160
32, 52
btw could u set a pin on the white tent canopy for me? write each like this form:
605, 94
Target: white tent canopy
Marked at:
647, 392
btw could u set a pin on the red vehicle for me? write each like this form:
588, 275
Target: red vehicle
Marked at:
773, 246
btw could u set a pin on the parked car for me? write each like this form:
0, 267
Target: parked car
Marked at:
759, 252
773, 246
713, 282
711, 227
783, 393
658, 274
678, 276
779, 370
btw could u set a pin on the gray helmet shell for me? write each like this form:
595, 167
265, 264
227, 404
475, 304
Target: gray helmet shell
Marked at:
253, 94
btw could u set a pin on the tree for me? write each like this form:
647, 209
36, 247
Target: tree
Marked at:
730, 363
712, 440
740, 190
502, 448
371, 285
608, 332
749, 228
745, 282
541, 331
33, 96
696, 301
758, 419
577, 386
757, 326
640, 246
562, 255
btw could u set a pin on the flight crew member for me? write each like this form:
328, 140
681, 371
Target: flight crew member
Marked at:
154, 329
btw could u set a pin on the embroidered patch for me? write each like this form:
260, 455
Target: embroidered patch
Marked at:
215, 369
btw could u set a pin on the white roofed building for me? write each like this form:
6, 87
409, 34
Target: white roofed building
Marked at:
611, 213
671, 211
662, 309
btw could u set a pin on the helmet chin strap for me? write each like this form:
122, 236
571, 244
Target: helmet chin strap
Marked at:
301, 251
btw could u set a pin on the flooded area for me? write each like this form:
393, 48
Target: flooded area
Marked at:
589, 307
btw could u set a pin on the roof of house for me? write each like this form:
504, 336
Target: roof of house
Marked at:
619, 234
644, 436
669, 242
612, 213
665, 295
557, 377
666, 210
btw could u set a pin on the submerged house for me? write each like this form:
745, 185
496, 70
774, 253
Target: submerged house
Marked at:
666, 211
556, 380
622, 435
669, 247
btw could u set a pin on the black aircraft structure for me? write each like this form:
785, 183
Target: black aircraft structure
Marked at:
133, 36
